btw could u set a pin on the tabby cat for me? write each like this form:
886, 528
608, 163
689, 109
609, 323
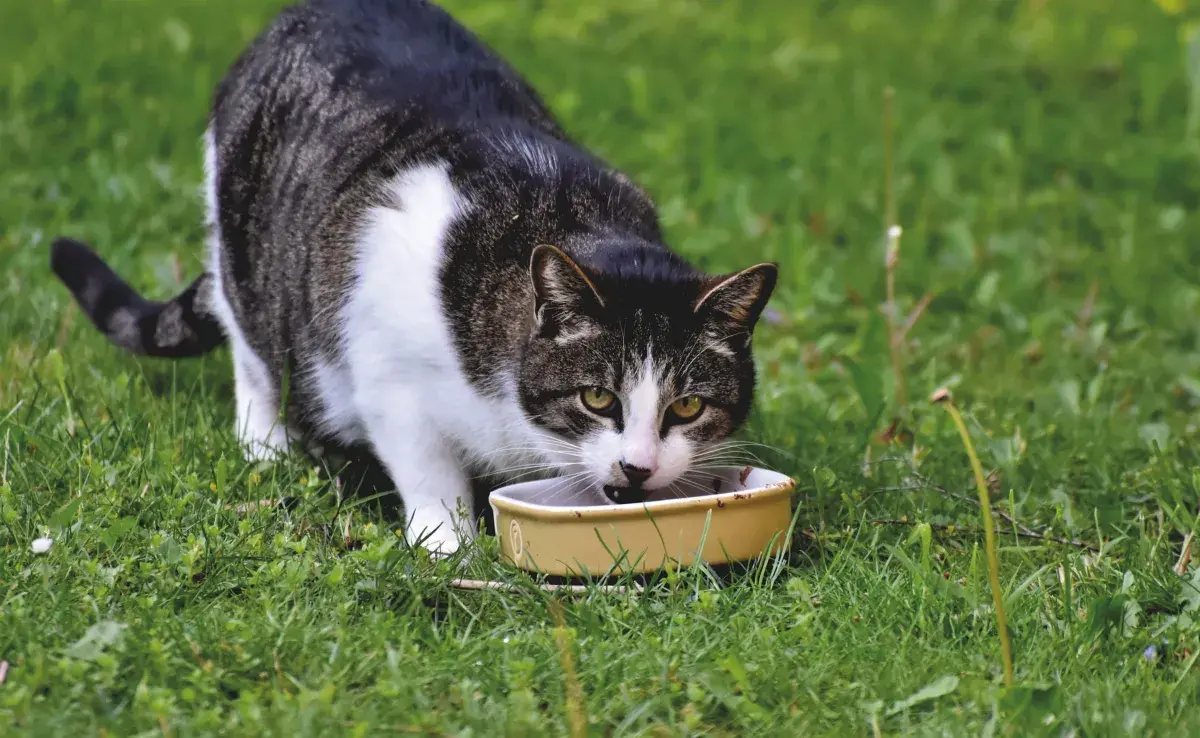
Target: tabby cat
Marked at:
402, 235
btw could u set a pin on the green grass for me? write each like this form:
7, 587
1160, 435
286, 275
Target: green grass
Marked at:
1048, 186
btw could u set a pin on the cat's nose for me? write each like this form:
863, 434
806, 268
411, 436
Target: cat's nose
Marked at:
636, 475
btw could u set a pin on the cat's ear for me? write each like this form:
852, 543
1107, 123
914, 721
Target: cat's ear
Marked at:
739, 298
562, 292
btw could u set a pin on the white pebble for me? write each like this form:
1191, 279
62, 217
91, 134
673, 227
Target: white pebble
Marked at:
41, 545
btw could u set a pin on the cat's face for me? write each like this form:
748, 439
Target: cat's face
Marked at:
639, 378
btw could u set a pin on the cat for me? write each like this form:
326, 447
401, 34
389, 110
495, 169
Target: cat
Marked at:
404, 240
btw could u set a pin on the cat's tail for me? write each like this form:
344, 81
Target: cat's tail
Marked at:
183, 326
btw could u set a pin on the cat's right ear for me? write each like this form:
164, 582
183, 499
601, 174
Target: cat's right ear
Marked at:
562, 292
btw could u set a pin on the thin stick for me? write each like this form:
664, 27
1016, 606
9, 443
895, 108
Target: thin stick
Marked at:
1015, 531
916, 314
892, 253
1088, 307
1185, 556
942, 396
889, 193
389, 728
488, 584
1021, 529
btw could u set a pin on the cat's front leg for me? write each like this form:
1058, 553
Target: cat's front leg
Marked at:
428, 474
435, 490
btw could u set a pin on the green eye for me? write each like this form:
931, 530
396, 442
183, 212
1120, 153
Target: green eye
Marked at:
687, 408
597, 399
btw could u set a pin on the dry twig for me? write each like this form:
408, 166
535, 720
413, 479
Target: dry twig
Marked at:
1020, 529
1185, 555
892, 231
916, 314
489, 584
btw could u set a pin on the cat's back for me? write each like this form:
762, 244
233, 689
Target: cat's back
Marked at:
318, 116
409, 58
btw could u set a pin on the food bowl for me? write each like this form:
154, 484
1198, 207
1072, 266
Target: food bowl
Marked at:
555, 527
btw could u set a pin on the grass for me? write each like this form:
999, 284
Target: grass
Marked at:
1047, 180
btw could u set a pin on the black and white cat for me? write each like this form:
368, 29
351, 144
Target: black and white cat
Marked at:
403, 236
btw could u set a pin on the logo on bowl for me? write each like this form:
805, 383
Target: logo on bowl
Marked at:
516, 539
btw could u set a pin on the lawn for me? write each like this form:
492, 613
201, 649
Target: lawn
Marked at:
1047, 177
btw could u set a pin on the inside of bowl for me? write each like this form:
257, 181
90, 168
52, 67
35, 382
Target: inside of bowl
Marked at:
579, 493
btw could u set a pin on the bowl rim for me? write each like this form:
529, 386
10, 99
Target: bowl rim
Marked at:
615, 513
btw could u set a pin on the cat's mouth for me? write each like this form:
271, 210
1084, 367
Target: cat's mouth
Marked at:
626, 495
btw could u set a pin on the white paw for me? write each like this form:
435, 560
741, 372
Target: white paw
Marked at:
271, 448
436, 531
264, 439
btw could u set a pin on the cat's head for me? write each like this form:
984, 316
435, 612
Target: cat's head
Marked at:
638, 365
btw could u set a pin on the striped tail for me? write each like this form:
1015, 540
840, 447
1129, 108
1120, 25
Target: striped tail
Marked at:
181, 327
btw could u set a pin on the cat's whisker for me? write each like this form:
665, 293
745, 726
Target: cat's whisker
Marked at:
570, 451
515, 474
738, 443
527, 444
561, 484
539, 465
727, 453
731, 460
691, 483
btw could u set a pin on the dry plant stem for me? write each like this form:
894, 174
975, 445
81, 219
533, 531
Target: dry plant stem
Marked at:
482, 584
916, 314
989, 539
895, 336
1185, 555
892, 254
576, 706
1021, 530
388, 728
1088, 307
889, 192
243, 508
1023, 533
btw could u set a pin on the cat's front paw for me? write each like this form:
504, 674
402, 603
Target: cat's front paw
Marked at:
261, 442
260, 451
435, 531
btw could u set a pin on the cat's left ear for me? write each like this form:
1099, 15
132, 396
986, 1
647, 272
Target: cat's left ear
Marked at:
739, 298
563, 293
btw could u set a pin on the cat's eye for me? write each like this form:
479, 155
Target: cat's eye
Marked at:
687, 408
597, 399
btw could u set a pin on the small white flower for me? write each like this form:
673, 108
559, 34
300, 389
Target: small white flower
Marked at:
41, 545
895, 231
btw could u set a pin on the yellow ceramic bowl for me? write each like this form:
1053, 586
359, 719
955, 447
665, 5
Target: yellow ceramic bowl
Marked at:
554, 527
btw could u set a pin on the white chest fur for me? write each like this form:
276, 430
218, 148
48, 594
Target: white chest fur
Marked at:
395, 331
407, 392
